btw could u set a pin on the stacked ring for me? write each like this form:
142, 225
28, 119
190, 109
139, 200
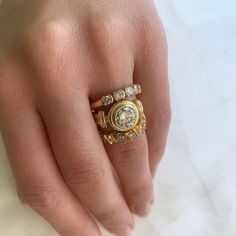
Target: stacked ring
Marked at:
124, 120
118, 95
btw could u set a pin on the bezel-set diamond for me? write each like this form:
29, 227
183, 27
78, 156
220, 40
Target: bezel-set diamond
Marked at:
123, 116
107, 100
119, 95
130, 91
137, 88
132, 135
121, 138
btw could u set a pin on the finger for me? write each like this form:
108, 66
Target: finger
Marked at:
39, 181
131, 163
152, 73
84, 162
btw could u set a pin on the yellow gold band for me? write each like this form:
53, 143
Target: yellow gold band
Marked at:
118, 95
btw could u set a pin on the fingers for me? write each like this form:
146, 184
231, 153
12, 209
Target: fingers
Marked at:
39, 181
131, 163
84, 162
152, 73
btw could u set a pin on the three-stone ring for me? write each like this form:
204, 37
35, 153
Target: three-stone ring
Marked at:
120, 119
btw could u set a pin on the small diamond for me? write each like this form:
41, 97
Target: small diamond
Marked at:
121, 137
107, 99
129, 91
137, 88
132, 135
119, 94
143, 126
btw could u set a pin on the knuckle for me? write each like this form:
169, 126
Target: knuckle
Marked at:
116, 31
113, 26
43, 198
49, 38
50, 32
86, 177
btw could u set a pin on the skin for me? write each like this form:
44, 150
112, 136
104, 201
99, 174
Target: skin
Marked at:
56, 57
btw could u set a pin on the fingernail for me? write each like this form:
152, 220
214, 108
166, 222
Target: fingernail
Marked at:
123, 230
143, 210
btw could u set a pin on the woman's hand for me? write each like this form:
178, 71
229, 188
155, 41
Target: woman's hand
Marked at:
55, 57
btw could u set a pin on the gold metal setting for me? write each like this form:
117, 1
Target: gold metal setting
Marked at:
117, 137
113, 115
123, 120
117, 96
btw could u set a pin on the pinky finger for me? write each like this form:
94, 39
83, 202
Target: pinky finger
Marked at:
151, 71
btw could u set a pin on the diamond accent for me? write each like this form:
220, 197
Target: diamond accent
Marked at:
137, 88
129, 91
119, 94
126, 117
107, 100
143, 126
132, 135
121, 138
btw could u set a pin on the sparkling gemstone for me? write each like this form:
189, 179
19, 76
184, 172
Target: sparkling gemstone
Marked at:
126, 117
130, 91
137, 88
132, 135
107, 99
143, 126
121, 137
119, 94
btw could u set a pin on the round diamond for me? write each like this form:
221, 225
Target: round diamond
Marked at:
107, 99
126, 117
137, 88
121, 137
119, 94
132, 135
130, 91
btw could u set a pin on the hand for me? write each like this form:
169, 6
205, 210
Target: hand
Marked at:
56, 57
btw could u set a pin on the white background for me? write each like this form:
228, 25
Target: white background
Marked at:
196, 182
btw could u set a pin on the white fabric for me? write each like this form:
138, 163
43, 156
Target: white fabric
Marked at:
195, 186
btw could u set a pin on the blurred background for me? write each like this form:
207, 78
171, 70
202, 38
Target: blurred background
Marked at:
196, 182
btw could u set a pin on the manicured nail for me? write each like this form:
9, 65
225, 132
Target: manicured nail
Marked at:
123, 230
143, 210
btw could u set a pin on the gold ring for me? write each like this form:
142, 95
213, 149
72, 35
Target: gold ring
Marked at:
124, 120
117, 95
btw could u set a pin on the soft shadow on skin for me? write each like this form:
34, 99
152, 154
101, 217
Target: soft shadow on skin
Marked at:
15, 18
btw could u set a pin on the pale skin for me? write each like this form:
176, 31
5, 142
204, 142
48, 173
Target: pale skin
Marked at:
55, 57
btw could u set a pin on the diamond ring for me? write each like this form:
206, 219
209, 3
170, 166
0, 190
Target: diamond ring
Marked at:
117, 95
122, 121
